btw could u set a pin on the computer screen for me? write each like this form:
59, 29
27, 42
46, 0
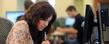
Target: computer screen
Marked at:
12, 16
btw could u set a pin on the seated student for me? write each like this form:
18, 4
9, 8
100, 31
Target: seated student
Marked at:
27, 4
35, 25
76, 30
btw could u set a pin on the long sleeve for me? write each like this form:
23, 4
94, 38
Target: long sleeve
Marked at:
19, 34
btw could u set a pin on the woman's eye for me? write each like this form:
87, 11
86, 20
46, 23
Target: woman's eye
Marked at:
41, 18
45, 20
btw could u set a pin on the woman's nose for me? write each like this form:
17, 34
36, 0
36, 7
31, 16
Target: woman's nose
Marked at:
45, 23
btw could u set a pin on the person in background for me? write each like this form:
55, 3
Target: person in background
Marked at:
27, 4
74, 21
72, 12
35, 25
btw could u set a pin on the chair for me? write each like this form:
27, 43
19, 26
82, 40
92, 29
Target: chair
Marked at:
5, 26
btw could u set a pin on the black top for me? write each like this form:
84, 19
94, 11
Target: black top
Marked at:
78, 25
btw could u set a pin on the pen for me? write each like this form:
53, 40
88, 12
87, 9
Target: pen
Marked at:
45, 36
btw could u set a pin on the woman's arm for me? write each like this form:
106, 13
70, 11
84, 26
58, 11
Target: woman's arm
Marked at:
17, 35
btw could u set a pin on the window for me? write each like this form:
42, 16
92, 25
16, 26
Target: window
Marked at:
52, 2
34, 1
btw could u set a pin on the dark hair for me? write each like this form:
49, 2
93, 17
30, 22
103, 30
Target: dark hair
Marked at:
70, 8
27, 4
21, 17
40, 10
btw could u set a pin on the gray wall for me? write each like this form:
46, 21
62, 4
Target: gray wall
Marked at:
106, 33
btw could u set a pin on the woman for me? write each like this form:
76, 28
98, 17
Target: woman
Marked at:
30, 30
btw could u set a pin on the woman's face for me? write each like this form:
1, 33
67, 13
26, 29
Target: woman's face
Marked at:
43, 23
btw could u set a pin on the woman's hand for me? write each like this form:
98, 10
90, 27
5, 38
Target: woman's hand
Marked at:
46, 42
